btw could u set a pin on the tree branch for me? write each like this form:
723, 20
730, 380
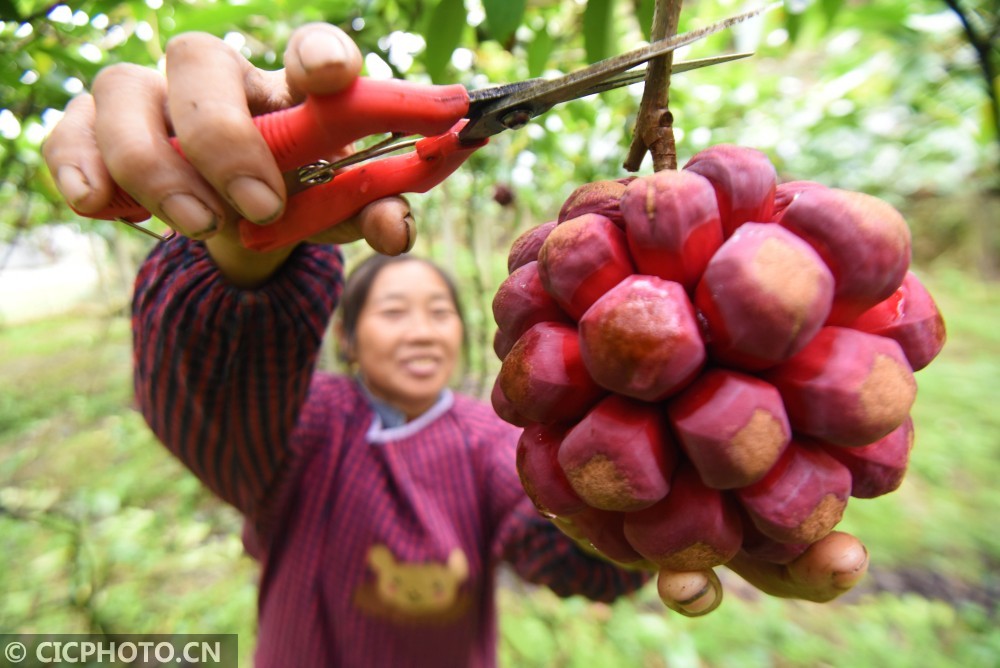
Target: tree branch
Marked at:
654, 131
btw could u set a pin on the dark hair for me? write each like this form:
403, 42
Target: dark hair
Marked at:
360, 281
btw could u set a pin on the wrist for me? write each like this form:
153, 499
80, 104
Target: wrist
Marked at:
242, 267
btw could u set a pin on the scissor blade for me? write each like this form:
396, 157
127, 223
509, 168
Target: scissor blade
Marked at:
523, 103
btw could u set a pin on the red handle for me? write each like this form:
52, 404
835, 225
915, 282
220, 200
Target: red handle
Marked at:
324, 124
321, 207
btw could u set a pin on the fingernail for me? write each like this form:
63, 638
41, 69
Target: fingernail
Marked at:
701, 602
189, 214
411, 232
73, 184
255, 199
318, 50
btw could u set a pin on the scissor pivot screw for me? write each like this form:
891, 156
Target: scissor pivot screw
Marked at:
516, 119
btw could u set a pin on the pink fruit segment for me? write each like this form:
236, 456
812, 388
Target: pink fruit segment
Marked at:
641, 339
604, 530
541, 476
802, 498
543, 376
732, 426
694, 527
758, 546
744, 180
878, 468
502, 343
763, 296
582, 259
504, 409
525, 247
785, 193
863, 240
672, 224
620, 455
846, 387
521, 301
601, 197
910, 318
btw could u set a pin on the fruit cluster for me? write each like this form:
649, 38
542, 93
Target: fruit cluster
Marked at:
704, 361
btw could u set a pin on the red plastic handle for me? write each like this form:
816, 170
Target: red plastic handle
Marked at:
321, 207
324, 124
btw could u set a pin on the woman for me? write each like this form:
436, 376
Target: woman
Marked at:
380, 504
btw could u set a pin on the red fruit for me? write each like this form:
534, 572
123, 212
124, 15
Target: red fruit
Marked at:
504, 409
846, 387
863, 240
802, 498
541, 476
878, 468
641, 339
601, 197
786, 193
543, 376
744, 180
758, 546
620, 455
910, 318
672, 224
604, 530
502, 343
581, 260
525, 247
693, 528
763, 296
732, 426
521, 302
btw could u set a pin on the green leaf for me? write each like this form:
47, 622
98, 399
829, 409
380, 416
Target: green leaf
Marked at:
8, 12
644, 10
830, 10
444, 33
503, 17
597, 26
539, 51
793, 24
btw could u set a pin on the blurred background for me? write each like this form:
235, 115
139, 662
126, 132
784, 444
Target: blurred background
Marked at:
101, 531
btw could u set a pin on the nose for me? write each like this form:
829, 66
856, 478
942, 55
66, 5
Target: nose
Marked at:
421, 326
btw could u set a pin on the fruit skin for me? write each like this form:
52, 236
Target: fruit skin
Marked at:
863, 240
601, 197
620, 455
520, 302
525, 247
694, 527
763, 297
846, 387
672, 224
541, 476
503, 408
801, 498
641, 339
786, 193
581, 259
732, 426
744, 180
877, 468
910, 318
543, 376
604, 530
758, 546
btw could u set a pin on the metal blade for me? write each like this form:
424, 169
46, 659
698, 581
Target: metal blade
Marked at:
515, 106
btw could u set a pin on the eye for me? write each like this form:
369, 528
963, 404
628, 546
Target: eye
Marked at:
393, 313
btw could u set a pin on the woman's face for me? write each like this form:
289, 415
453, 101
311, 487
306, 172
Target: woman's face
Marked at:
408, 336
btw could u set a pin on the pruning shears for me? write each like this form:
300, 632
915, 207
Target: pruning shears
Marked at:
451, 122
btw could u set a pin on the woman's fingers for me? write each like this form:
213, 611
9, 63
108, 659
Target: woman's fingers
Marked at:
74, 159
386, 224
829, 568
691, 594
320, 59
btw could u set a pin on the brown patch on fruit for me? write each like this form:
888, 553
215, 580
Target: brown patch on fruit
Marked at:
821, 520
787, 274
695, 557
601, 484
886, 396
758, 442
878, 218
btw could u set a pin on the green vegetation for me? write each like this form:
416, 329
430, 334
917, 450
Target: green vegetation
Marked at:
101, 530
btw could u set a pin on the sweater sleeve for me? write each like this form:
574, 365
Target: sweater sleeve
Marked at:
536, 549
221, 372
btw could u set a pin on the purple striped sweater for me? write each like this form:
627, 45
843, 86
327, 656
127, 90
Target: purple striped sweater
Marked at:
378, 546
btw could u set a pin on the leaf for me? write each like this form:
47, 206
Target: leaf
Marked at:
793, 24
539, 51
644, 10
597, 26
830, 10
443, 34
8, 12
503, 17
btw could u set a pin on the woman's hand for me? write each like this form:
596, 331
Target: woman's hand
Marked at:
207, 100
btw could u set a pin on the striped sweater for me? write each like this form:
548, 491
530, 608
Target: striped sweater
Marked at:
378, 545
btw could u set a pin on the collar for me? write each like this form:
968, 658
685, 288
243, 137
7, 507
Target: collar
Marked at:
389, 423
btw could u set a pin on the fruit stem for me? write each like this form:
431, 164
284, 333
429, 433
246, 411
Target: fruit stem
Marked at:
654, 131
